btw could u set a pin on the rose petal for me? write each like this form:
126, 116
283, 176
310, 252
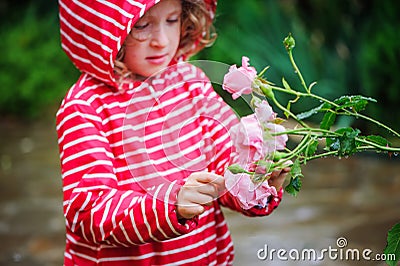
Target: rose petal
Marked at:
247, 193
239, 81
264, 112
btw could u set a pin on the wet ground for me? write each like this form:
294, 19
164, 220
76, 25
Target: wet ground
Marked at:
356, 200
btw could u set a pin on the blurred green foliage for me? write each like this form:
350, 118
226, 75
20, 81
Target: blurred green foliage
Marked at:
34, 71
347, 46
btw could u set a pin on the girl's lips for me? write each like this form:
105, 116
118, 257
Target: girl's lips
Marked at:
157, 60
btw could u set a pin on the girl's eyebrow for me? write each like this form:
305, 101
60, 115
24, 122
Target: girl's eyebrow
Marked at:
178, 12
173, 12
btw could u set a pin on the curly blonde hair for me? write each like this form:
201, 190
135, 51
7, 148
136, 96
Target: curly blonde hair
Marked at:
197, 32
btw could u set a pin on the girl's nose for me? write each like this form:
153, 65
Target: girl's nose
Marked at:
159, 37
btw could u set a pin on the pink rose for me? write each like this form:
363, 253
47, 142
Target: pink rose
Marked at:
247, 193
247, 137
239, 81
274, 143
266, 116
264, 112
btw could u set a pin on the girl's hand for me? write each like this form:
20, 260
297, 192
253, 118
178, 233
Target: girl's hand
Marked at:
200, 190
278, 178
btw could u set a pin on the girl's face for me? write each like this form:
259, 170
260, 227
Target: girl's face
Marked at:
154, 39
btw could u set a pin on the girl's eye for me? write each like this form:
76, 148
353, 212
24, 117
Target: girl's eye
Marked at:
173, 20
141, 26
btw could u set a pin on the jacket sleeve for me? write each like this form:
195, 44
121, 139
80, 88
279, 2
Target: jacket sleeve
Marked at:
224, 119
232, 203
95, 207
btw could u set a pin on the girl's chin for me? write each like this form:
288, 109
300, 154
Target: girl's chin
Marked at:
153, 71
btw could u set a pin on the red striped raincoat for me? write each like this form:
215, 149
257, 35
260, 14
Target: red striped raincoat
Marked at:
126, 150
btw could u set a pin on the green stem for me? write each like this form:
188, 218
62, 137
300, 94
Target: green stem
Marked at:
377, 146
321, 155
285, 110
348, 113
331, 134
299, 131
302, 94
345, 112
299, 148
297, 71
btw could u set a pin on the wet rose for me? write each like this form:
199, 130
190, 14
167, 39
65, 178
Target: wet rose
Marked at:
239, 81
246, 192
247, 137
266, 117
264, 112
274, 143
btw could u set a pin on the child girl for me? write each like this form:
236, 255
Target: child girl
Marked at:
143, 138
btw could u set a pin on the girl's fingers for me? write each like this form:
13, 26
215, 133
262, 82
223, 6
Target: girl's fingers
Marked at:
189, 212
209, 189
202, 199
286, 170
204, 177
201, 194
276, 174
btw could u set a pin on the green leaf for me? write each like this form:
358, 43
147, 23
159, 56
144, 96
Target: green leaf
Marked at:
393, 245
348, 143
309, 113
293, 188
355, 102
286, 85
295, 170
312, 148
328, 120
263, 72
289, 105
345, 143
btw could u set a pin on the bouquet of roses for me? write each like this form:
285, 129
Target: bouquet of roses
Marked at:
255, 145
260, 138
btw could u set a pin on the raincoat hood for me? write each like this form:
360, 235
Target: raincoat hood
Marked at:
92, 32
